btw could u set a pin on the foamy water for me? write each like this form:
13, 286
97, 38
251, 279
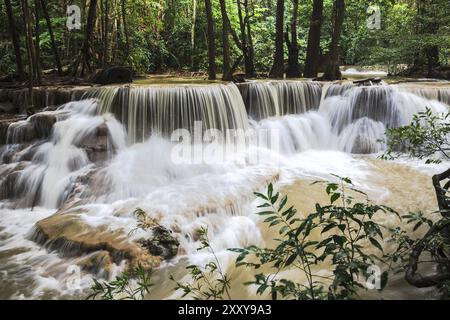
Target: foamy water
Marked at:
317, 140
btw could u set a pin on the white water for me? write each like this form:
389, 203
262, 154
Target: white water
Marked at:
315, 142
364, 73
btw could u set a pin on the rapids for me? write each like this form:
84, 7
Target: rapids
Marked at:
111, 152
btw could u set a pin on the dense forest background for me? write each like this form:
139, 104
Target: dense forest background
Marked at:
222, 37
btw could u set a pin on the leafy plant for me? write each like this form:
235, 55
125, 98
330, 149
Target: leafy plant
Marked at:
347, 226
209, 281
426, 137
122, 288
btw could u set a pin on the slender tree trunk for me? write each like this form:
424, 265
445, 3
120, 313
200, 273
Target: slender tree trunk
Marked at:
332, 71
293, 68
52, 37
250, 50
210, 40
277, 70
15, 41
85, 57
125, 30
194, 19
105, 33
243, 36
30, 49
227, 76
37, 41
246, 42
427, 58
313, 49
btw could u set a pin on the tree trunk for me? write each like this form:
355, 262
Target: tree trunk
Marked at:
277, 70
194, 19
85, 57
210, 40
246, 42
30, 49
52, 37
227, 76
332, 71
243, 34
250, 50
15, 41
125, 31
105, 34
313, 49
37, 41
293, 68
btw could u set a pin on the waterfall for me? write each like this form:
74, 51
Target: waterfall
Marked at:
50, 149
389, 105
277, 98
162, 109
98, 159
56, 162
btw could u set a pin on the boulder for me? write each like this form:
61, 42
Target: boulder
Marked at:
99, 246
111, 75
96, 248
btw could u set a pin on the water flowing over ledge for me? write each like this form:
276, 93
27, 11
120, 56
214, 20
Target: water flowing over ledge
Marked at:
97, 159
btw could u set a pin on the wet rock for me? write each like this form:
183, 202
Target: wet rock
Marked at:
5, 122
9, 180
20, 132
162, 243
111, 75
70, 236
43, 123
96, 144
96, 262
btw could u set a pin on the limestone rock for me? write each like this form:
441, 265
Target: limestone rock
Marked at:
70, 236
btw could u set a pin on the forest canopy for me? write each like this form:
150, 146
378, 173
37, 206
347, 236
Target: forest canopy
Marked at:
255, 37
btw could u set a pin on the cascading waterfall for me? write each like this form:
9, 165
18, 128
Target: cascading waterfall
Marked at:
305, 116
278, 98
54, 164
107, 155
161, 110
360, 115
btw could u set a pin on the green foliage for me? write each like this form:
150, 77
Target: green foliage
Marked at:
209, 282
426, 137
436, 244
122, 287
346, 226
159, 33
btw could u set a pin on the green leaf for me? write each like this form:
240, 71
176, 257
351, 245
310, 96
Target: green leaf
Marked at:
290, 259
282, 203
375, 243
274, 198
328, 227
334, 197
